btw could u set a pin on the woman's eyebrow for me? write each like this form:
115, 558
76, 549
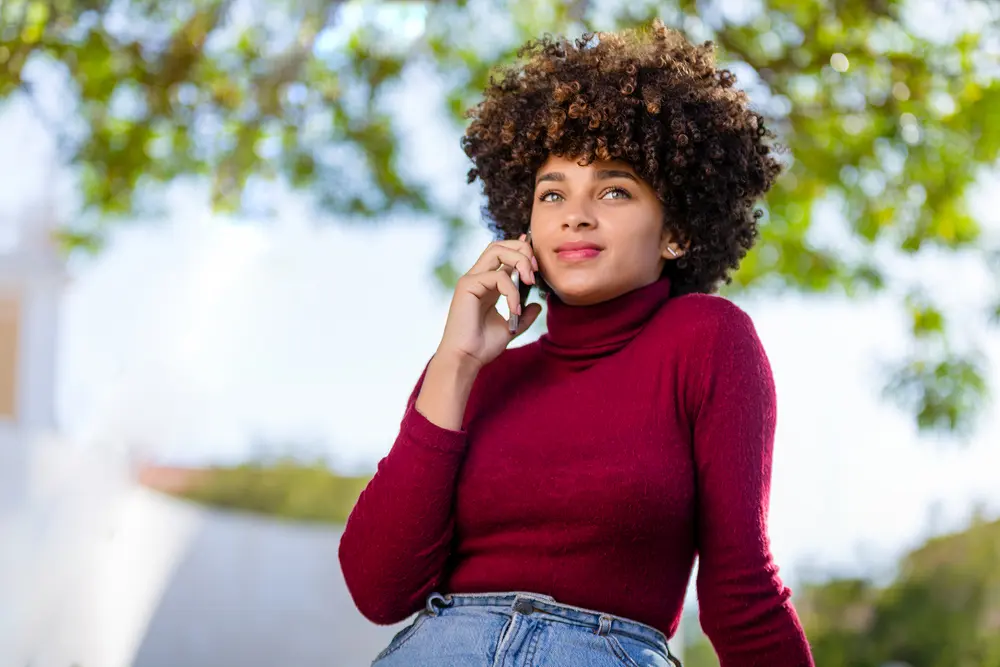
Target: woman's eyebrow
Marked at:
551, 176
600, 175
605, 174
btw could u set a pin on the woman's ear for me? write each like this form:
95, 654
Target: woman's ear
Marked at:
669, 249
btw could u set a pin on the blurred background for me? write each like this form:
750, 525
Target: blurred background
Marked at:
228, 231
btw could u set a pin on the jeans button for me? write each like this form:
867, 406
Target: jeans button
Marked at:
523, 606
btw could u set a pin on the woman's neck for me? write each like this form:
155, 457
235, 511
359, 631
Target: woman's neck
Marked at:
581, 335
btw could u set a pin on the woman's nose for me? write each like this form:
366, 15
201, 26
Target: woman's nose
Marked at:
579, 216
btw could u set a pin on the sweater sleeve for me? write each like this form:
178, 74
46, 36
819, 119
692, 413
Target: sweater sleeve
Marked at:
745, 609
398, 536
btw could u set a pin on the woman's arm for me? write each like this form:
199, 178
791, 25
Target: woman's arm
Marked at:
745, 609
398, 536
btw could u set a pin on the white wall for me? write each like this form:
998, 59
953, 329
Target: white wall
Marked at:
109, 574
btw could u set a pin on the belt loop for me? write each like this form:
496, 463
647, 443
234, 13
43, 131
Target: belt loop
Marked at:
605, 625
431, 609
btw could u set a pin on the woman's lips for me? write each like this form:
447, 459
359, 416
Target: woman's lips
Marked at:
578, 254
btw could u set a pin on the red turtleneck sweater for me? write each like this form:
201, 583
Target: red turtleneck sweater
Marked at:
594, 465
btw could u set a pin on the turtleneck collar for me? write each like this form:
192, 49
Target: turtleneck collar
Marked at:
583, 334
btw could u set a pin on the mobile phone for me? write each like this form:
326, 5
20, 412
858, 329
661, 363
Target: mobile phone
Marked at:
523, 290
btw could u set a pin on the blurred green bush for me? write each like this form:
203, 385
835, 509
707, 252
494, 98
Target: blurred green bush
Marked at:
942, 610
286, 489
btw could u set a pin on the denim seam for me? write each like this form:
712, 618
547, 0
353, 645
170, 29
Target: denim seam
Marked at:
535, 640
504, 634
619, 651
410, 631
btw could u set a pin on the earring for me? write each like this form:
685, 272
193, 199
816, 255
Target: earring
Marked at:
673, 253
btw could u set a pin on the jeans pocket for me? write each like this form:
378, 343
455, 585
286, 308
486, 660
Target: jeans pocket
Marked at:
620, 651
633, 653
402, 636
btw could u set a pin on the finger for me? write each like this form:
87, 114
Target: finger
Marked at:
498, 281
503, 249
522, 246
497, 255
530, 314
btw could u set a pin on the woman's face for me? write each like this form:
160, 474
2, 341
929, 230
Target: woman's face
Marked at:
597, 230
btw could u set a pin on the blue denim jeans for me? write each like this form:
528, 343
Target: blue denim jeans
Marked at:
521, 629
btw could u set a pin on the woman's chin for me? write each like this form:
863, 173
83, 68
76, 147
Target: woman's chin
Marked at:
577, 292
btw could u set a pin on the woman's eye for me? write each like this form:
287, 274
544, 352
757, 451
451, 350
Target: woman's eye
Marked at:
620, 191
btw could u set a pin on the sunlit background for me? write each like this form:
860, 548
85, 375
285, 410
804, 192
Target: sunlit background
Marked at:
207, 350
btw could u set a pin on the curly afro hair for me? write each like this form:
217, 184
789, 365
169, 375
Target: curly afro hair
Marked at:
649, 98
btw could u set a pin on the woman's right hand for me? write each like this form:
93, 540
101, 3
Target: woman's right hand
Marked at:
475, 331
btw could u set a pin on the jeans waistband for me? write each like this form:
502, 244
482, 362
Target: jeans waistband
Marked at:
528, 602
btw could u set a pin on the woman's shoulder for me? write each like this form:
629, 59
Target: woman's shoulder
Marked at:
705, 316
703, 329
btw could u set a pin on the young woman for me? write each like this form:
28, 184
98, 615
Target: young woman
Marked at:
544, 505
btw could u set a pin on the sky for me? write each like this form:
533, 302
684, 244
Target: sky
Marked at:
193, 338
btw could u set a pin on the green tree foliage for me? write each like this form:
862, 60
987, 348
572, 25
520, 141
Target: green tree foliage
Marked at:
942, 610
888, 123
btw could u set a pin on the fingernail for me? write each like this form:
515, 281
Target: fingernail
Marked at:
534, 263
521, 237
518, 309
